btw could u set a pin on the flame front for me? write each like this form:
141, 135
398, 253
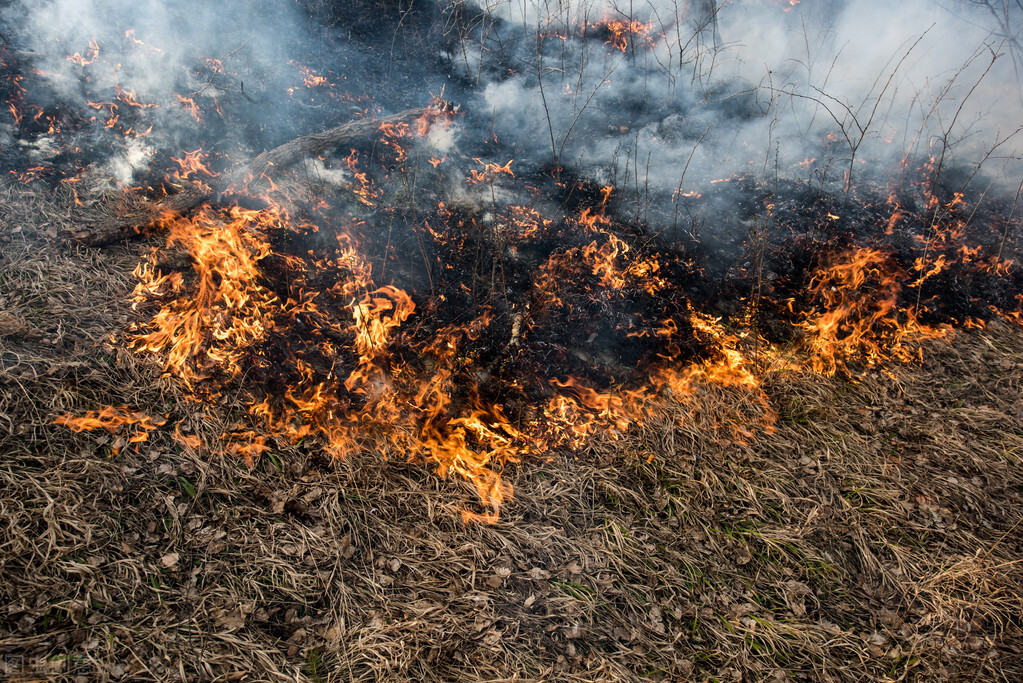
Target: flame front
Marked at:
458, 329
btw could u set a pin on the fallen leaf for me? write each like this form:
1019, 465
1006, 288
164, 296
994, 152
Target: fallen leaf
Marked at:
347, 547
232, 621
538, 574
333, 635
574, 632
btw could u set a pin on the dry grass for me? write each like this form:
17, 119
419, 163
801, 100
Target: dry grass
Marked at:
874, 535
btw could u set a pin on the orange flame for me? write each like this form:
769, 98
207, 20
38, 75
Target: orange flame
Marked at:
93, 53
112, 419
858, 315
624, 33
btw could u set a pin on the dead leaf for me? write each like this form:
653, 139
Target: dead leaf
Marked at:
538, 574
347, 547
170, 559
333, 635
231, 621
500, 574
795, 596
574, 631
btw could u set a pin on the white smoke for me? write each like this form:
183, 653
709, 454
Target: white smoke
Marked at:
714, 89
813, 82
97, 56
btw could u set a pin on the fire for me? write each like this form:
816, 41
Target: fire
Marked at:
857, 314
129, 98
362, 188
502, 332
214, 327
227, 304
366, 372
394, 134
210, 327
193, 165
624, 33
90, 57
189, 105
310, 78
490, 171
376, 314
113, 419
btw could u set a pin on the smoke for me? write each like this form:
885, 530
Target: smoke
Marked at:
699, 91
130, 78
658, 97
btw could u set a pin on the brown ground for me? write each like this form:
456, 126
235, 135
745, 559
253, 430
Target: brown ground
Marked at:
873, 536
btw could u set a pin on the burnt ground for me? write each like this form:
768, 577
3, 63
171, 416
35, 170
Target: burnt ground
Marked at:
872, 535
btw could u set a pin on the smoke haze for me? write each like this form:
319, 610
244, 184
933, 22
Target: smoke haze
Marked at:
810, 82
691, 92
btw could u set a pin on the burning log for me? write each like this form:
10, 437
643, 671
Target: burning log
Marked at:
130, 216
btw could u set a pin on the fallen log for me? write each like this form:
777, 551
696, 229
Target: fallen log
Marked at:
130, 216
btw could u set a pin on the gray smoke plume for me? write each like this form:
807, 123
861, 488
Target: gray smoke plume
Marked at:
152, 70
701, 91
690, 92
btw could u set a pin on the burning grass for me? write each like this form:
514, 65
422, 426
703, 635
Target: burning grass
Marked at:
470, 338
873, 534
772, 450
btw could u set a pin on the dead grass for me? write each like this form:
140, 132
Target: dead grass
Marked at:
874, 535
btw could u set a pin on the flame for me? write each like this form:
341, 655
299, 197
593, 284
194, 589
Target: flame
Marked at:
129, 98
227, 304
193, 164
440, 114
112, 419
92, 54
310, 78
190, 106
213, 324
372, 328
490, 171
858, 314
328, 345
623, 33
393, 134
363, 188
210, 326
